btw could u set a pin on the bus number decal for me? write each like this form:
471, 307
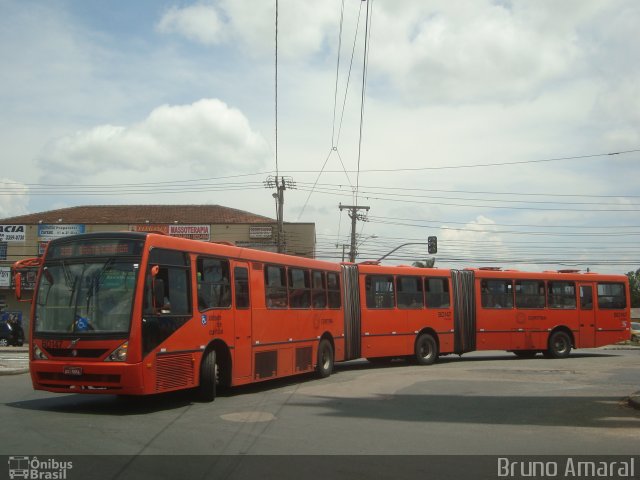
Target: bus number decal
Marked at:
52, 344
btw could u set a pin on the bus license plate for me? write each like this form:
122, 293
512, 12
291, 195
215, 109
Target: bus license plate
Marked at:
73, 371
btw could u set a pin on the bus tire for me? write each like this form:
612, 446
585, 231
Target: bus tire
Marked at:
207, 387
325, 359
426, 350
559, 345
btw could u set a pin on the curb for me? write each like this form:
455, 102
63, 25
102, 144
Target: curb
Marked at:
13, 371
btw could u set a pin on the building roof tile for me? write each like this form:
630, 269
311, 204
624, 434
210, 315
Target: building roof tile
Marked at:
128, 214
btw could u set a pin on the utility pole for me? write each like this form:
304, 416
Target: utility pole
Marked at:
354, 215
280, 184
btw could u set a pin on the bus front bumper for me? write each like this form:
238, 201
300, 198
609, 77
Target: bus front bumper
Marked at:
85, 377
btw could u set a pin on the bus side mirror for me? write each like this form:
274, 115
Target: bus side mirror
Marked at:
17, 281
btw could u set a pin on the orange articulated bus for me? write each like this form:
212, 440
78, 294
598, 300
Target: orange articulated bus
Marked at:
425, 313
142, 313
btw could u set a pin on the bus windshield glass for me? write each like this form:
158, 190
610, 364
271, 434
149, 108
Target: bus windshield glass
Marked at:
86, 295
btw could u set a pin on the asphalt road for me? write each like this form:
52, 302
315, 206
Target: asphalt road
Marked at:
483, 403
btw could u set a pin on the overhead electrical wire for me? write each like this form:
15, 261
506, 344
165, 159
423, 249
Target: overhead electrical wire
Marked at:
334, 139
7, 184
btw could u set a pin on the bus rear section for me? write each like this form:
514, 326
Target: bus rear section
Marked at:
549, 312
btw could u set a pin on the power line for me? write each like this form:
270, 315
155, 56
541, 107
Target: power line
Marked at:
563, 202
432, 223
591, 210
334, 140
395, 169
482, 165
475, 192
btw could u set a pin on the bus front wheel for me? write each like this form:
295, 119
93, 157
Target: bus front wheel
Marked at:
426, 350
207, 388
325, 359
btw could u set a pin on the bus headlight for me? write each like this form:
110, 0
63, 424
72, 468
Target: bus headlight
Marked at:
38, 354
119, 354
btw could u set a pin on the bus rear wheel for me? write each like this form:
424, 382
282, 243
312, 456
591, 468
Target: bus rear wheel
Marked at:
325, 359
559, 345
426, 350
208, 377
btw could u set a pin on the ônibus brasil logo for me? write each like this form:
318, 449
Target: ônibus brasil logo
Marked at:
33, 468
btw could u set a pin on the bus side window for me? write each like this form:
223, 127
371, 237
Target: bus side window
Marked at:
276, 286
530, 294
497, 293
241, 281
586, 297
562, 295
214, 288
437, 292
333, 290
611, 296
319, 292
410, 295
299, 288
380, 291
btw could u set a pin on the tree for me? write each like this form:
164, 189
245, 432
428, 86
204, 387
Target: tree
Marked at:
634, 286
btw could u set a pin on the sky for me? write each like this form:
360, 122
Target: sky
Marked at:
509, 129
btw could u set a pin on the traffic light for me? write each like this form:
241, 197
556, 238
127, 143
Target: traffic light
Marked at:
432, 244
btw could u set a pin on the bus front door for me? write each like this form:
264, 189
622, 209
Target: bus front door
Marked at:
242, 308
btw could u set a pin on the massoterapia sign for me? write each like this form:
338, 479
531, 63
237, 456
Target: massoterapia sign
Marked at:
12, 233
194, 232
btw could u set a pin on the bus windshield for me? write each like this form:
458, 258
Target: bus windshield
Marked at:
91, 296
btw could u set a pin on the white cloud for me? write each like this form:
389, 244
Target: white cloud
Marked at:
14, 197
200, 23
206, 137
474, 50
303, 27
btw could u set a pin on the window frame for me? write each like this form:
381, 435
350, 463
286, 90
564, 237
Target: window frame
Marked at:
319, 292
554, 305
241, 286
615, 306
272, 291
379, 300
299, 296
334, 292
225, 287
489, 299
410, 296
529, 296
446, 290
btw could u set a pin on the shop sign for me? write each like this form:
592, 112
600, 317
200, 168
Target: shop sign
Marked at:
5, 277
56, 230
193, 232
260, 232
150, 228
12, 233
